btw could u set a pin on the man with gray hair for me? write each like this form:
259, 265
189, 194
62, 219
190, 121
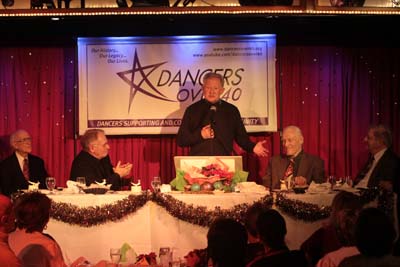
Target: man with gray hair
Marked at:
210, 125
294, 167
94, 163
21, 167
382, 168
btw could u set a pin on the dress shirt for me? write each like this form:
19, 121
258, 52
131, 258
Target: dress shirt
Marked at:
21, 160
364, 182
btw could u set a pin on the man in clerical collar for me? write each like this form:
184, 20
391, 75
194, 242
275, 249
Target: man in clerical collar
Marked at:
382, 167
211, 125
93, 162
295, 165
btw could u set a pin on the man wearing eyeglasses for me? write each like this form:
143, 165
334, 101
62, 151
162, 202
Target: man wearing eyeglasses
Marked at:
21, 167
94, 163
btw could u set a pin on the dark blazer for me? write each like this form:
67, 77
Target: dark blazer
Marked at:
310, 167
387, 169
93, 169
12, 179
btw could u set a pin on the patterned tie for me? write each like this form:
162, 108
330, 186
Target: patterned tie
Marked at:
25, 169
289, 169
365, 170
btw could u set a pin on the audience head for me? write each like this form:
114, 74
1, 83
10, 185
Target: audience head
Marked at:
271, 227
213, 87
227, 242
6, 215
94, 141
343, 203
374, 233
292, 140
250, 220
32, 211
21, 142
378, 138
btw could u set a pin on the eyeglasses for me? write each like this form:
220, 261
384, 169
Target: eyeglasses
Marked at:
23, 140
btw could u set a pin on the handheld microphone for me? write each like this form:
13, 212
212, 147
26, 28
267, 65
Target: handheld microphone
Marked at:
213, 109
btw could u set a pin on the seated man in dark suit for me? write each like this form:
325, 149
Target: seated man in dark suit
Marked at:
21, 166
383, 167
301, 168
94, 163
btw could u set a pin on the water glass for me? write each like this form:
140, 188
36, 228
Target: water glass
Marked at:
115, 255
156, 183
50, 183
348, 180
81, 182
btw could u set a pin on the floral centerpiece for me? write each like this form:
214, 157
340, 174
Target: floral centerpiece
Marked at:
214, 174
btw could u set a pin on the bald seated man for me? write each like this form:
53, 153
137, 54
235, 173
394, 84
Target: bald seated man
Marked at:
306, 167
7, 225
12, 175
94, 163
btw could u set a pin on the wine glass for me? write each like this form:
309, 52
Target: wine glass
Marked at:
81, 182
50, 184
332, 180
348, 180
156, 183
115, 255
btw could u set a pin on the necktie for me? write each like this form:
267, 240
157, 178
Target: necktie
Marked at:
289, 170
25, 169
364, 170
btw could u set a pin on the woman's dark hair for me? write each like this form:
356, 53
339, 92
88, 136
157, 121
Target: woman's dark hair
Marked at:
271, 227
341, 202
374, 233
251, 216
227, 241
32, 211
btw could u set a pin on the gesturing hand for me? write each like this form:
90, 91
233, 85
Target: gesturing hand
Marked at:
260, 150
123, 170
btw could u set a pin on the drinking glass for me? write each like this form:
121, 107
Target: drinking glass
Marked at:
156, 183
348, 180
332, 180
115, 255
81, 182
50, 184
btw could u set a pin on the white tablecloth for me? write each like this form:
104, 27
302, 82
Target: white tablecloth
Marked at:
152, 227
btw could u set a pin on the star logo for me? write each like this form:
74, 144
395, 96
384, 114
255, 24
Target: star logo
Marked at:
141, 73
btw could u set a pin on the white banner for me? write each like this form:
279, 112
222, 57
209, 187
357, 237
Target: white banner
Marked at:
142, 85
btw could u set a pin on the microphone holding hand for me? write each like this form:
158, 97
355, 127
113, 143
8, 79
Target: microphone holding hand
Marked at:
207, 132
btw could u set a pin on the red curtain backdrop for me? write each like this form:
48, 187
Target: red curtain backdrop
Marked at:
332, 93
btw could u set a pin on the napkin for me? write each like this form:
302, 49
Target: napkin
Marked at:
250, 187
316, 188
72, 187
127, 253
165, 188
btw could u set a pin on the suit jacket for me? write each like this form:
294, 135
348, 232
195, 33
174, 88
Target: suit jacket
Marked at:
387, 169
93, 169
310, 167
12, 179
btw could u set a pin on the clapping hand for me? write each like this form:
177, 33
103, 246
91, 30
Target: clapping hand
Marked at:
123, 170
